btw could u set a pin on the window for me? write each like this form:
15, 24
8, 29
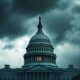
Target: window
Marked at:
39, 58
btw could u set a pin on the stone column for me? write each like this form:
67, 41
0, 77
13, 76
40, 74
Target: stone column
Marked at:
31, 59
30, 77
33, 75
37, 76
58, 76
48, 75
26, 76
61, 76
45, 75
15, 76
54, 76
42, 76
51, 75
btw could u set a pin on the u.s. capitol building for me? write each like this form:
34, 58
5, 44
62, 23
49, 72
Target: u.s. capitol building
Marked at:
39, 62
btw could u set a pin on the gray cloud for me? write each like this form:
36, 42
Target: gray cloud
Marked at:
72, 58
31, 7
63, 4
12, 29
11, 23
8, 46
12, 13
73, 35
12, 9
76, 9
58, 23
67, 54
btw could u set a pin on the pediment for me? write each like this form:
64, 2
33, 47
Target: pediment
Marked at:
39, 68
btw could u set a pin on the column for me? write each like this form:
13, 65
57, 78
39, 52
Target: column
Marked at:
37, 77
54, 76
48, 75
31, 59
42, 76
51, 75
44, 59
30, 77
26, 76
45, 75
33, 76
16, 76
58, 76
51, 59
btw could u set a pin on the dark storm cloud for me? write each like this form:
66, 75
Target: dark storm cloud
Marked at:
76, 9
58, 23
63, 4
5, 10
33, 7
10, 25
13, 9
63, 27
73, 37
12, 29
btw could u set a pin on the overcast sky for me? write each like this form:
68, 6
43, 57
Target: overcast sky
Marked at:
18, 23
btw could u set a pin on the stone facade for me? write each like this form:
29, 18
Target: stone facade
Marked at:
39, 62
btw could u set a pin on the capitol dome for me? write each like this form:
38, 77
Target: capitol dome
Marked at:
40, 50
40, 37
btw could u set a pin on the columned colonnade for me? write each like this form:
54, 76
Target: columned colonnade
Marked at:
42, 76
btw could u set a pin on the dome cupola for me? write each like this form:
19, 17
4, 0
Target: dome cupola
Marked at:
39, 37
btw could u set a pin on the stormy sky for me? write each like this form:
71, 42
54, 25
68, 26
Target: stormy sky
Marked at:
18, 23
